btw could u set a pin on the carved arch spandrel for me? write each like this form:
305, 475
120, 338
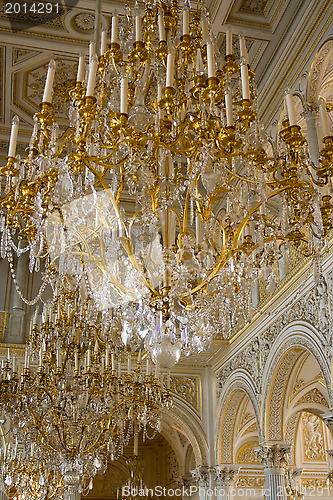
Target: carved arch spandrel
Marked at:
239, 385
183, 419
293, 341
318, 70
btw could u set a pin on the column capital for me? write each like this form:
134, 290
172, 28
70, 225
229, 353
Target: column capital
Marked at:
273, 454
309, 109
328, 419
201, 475
226, 475
185, 480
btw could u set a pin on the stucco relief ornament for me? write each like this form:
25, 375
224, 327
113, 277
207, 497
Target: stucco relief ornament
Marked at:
329, 280
226, 476
249, 359
85, 21
201, 476
273, 455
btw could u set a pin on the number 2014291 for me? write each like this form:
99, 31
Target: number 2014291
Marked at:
35, 7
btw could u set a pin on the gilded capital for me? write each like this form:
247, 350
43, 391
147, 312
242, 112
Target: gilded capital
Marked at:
273, 454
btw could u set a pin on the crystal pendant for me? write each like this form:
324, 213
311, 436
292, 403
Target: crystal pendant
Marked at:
166, 353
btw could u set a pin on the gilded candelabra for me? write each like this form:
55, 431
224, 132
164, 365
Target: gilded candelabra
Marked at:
200, 203
75, 404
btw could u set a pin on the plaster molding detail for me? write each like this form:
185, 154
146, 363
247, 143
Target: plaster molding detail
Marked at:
317, 71
309, 308
246, 454
275, 401
313, 396
185, 387
201, 476
191, 430
239, 385
328, 419
290, 436
273, 455
226, 476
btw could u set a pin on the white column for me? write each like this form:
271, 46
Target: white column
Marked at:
74, 494
3, 495
16, 330
330, 468
328, 419
273, 456
185, 482
201, 477
226, 478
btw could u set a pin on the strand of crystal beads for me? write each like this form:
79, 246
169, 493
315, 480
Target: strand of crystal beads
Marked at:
45, 280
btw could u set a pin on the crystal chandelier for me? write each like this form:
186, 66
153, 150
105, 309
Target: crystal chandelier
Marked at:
76, 404
23, 476
164, 188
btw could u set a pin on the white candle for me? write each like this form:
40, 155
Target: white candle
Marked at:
113, 364
186, 21
81, 69
103, 41
106, 357
58, 357
92, 49
198, 230
228, 41
40, 357
138, 28
129, 365
26, 359
139, 357
8, 354
204, 28
229, 110
285, 111
147, 366
76, 361
47, 96
114, 29
13, 136
88, 358
161, 26
92, 76
199, 65
14, 364
245, 81
211, 60
136, 439
170, 69
243, 50
324, 120
156, 370
124, 95
291, 109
